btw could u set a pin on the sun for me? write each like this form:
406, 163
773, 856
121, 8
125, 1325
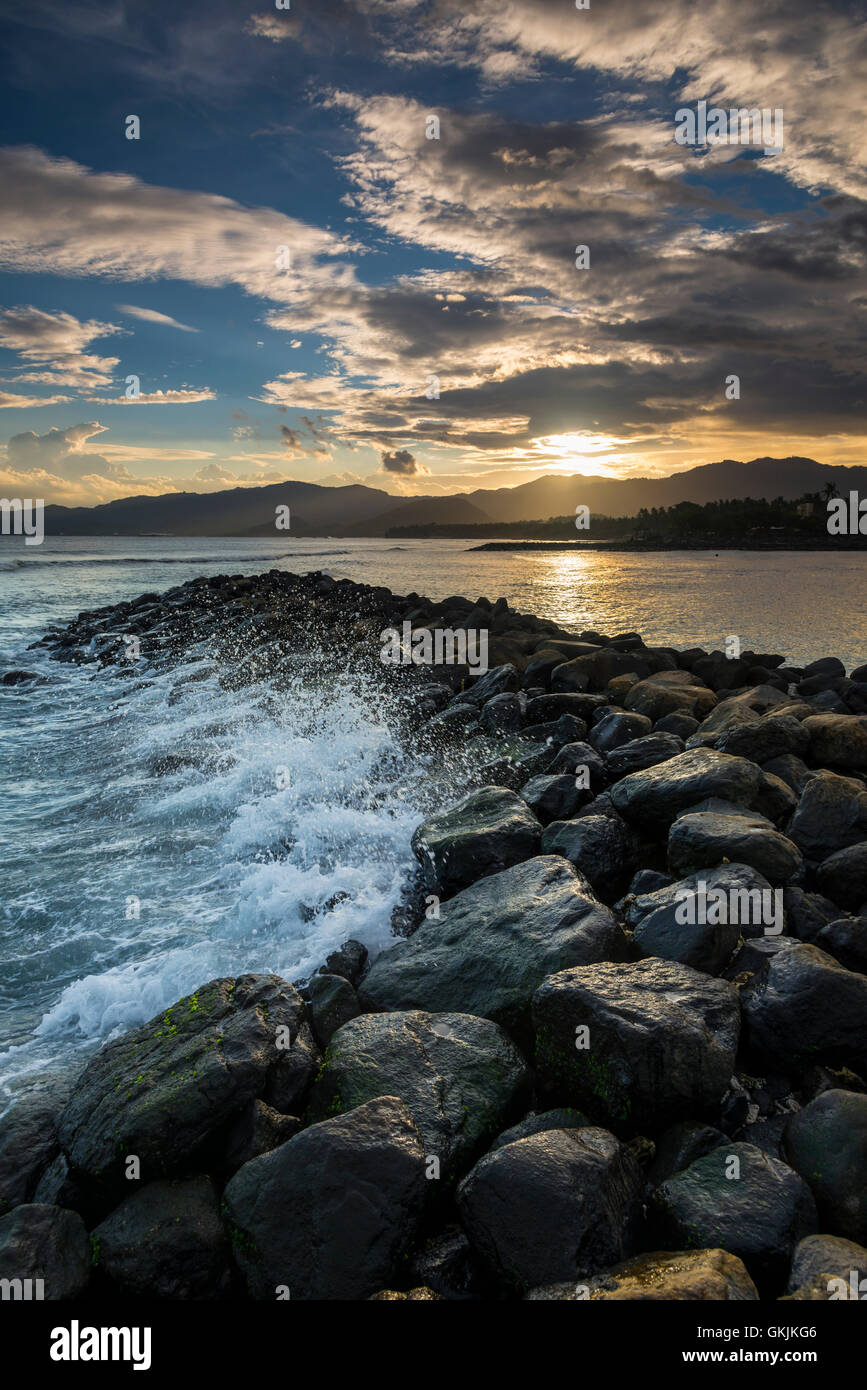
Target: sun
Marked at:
584, 453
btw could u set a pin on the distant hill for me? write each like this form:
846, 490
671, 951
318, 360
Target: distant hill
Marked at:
358, 510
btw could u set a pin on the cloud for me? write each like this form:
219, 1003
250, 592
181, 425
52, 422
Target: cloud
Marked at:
184, 396
152, 316
11, 401
403, 462
55, 342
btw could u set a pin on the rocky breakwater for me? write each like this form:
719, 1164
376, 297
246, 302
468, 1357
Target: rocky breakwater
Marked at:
619, 1050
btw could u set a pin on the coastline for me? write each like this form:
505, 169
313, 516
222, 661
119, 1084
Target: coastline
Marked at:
604, 776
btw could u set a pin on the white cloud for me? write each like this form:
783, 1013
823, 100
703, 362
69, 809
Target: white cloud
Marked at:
152, 316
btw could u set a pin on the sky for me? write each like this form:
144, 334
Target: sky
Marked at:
344, 244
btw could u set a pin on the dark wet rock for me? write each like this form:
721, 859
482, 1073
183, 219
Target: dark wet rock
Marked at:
446, 1264
462, 1078
291, 1077
680, 1146
802, 1008
846, 940
842, 877
757, 1208
641, 753
564, 1118
706, 840
594, 671
162, 1090
555, 798
618, 728
679, 723
661, 1042
20, 677
333, 1002
349, 961
486, 831
838, 740
775, 799
258, 1129
775, 736
831, 815
671, 692
332, 1213
791, 770
498, 681
661, 1276
166, 1241
742, 885
602, 848
48, 1244
654, 797
825, 1257
502, 714
648, 881
742, 708
755, 952
668, 934
826, 1143
807, 913
28, 1143
576, 705
573, 757
494, 944
551, 1207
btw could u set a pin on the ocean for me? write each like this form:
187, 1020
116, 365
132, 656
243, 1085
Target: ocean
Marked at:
128, 879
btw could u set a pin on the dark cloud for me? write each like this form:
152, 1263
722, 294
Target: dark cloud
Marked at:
401, 461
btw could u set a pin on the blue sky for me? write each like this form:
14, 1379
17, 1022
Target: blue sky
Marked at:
414, 258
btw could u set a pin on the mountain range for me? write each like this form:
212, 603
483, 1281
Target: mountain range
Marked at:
358, 510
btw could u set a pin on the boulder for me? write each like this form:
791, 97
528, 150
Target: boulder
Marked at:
333, 1002
668, 933
332, 1213
461, 1078
497, 681
706, 840
258, 1129
826, 1143
486, 831
775, 736
602, 848
687, 1276
164, 1090
842, 877
564, 1118
838, 740
494, 944
618, 728
349, 961
654, 797
28, 1143
748, 896
573, 757
670, 692
802, 1008
680, 1146
756, 1208
555, 798
826, 1257
551, 1207
166, 1241
846, 940
48, 1244
502, 714
681, 724
661, 1042
641, 753
831, 815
